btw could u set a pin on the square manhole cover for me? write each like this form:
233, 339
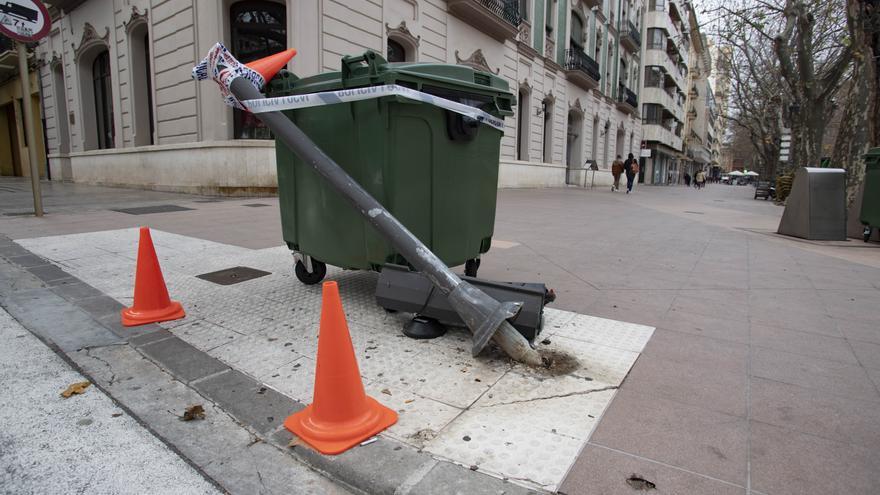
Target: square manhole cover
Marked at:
144, 210
255, 205
233, 275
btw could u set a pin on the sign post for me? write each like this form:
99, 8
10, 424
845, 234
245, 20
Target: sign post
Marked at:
26, 21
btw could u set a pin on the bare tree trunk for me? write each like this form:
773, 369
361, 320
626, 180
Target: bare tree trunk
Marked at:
858, 130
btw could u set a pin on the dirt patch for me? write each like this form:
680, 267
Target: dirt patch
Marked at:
556, 363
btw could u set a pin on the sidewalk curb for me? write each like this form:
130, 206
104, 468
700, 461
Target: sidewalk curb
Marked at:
382, 467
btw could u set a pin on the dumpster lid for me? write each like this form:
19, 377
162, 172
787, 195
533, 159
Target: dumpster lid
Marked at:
371, 69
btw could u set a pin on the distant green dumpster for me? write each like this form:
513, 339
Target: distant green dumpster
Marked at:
870, 213
435, 170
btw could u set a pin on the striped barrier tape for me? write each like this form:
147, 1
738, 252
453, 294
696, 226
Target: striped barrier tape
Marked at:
293, 102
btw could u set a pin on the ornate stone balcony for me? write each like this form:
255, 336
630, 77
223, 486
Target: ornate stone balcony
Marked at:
581, 69
499, 19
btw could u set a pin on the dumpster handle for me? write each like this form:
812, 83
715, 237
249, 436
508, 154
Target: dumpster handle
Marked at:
369, 57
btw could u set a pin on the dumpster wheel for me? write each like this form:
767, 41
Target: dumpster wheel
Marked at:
319, 271
471, 266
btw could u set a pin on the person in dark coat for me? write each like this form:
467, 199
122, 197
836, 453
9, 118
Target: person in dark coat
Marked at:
630, 168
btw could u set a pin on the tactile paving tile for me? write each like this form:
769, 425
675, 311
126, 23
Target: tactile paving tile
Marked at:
611, 333
523, 424
203, 335
419, 419
503, 441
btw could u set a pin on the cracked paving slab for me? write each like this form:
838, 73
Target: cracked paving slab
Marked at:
267, 329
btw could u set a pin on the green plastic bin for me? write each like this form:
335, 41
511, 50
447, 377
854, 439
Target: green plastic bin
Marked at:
435, 170
870, 213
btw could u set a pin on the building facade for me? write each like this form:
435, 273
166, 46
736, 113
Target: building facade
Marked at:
664, 86
121, 109
14, 157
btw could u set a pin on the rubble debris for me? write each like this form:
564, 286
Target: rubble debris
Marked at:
193, 412
75, 389
636, 482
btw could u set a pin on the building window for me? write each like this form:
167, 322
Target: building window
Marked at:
652, 114
656, 39
395, 51
653, 76
524, 9
258, 29
103, 100
550, 17
141, 86
607, 130
522, 126
60, 109
657, 5
594, 144
578, 35
548, 130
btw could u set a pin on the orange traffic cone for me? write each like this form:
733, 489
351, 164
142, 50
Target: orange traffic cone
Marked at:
341, 415
269, 66
151, 301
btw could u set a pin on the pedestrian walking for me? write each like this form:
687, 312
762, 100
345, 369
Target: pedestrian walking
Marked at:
700, 179
631, 168
687, 179
616, 170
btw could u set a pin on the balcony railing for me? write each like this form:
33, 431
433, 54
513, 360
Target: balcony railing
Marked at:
505, 9
627, 101
579, 64
497, 18
631, 38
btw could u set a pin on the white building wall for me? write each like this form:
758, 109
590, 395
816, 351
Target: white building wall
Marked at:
193, 128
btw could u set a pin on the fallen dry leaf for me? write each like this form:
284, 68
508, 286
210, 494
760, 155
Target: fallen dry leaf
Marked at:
386, 391
75, 389
193, 412
408, 401
295, 442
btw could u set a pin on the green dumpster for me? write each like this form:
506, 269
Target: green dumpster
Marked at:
435, 170
870, 213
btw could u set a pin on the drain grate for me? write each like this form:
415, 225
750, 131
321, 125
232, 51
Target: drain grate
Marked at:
234, 275
144, 210
207, 200
256, 205
694, 212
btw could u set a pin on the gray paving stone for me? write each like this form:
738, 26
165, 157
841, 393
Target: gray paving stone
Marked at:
48, 273
113, 322
717, 390
814, 412
11, 250
804, 343
708, 353
788, 462
182, 360
262, 468
28, 260
832, 377
54, 318
100, 306
599, 470
684, 436
451, 479
254, 404
157, 333
75, 291
868, 354
378, 468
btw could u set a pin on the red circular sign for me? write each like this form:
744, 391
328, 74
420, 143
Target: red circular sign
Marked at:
24, 20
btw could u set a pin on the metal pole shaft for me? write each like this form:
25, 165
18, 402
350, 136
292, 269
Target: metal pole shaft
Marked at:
27, 110
484, 316
402, 239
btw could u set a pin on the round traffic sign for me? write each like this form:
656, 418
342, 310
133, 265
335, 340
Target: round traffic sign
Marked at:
24, 20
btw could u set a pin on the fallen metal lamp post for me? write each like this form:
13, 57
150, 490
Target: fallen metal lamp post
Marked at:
484, 316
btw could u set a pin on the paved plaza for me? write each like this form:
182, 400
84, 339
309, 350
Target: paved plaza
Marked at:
751, 361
